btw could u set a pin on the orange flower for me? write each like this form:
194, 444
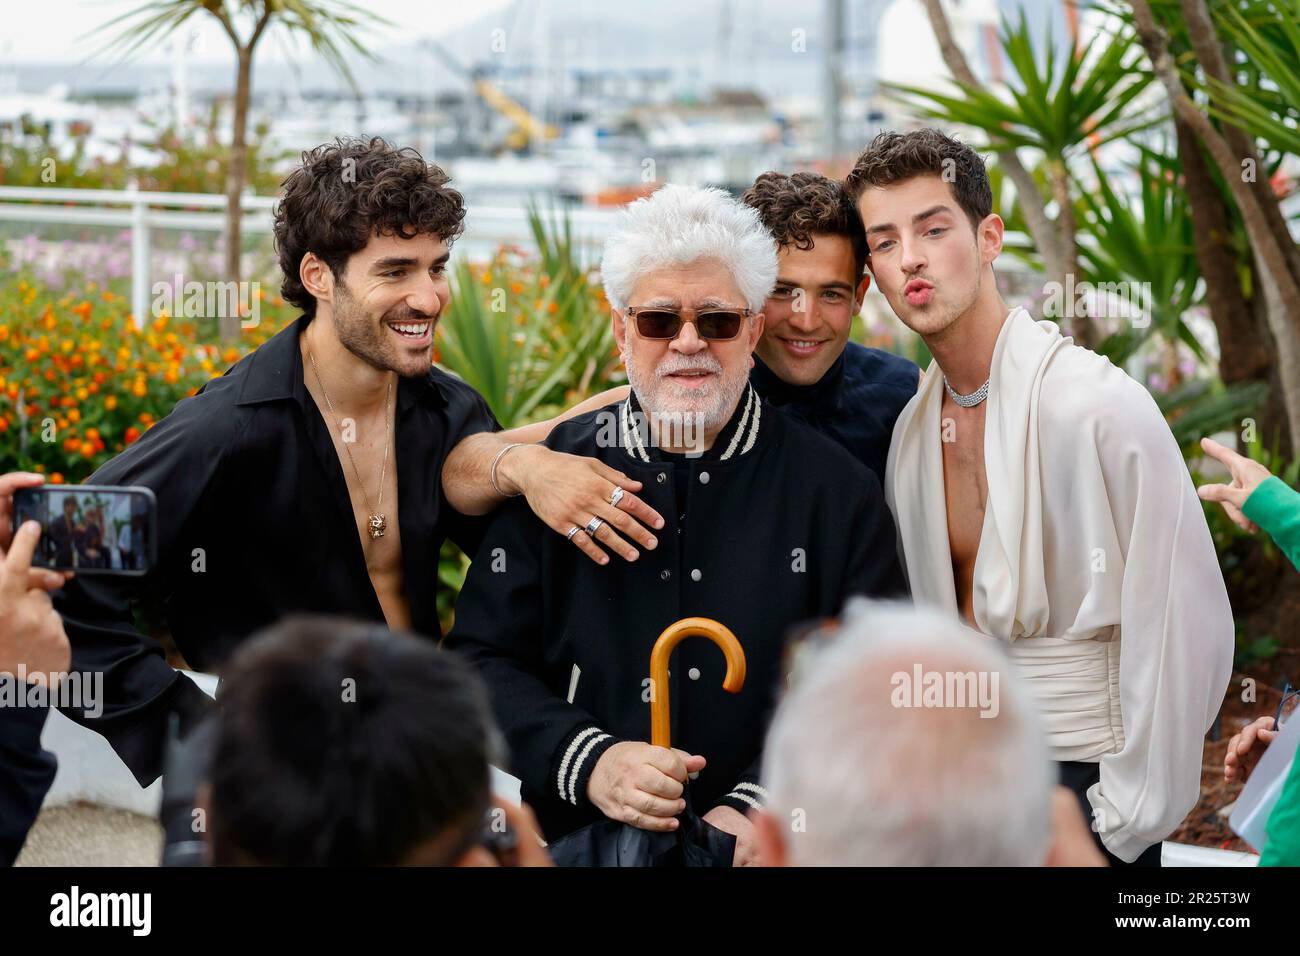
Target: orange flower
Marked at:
74, 415
132, 434
110, 402
87, 450
146, 418
56, 478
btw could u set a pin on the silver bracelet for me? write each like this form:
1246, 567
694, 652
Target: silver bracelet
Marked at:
492, 473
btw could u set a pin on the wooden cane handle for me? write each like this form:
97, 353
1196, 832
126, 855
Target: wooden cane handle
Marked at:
674, 634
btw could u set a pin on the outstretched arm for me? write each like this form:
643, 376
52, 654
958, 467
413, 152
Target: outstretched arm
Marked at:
565, 491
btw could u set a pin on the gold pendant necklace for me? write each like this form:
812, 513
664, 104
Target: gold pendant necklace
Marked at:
378, 522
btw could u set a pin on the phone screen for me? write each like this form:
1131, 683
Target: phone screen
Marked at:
90, 529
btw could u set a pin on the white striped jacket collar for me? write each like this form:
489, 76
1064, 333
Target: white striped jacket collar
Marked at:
741, 441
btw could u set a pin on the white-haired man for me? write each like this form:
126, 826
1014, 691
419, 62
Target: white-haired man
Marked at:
907, 740
768, 524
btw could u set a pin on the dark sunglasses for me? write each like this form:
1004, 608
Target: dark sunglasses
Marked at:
715, 325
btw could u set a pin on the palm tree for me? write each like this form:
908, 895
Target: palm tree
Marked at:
327, 26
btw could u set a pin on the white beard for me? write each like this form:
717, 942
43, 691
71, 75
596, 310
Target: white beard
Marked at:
661, 399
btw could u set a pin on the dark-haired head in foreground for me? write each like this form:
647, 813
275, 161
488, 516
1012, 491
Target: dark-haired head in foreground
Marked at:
342, 744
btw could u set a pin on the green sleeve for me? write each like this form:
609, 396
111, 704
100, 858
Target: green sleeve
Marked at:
1283, 847
1276, 508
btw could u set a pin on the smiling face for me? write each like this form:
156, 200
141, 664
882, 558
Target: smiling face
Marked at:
810, 312
688, 375
386, 303
925, 256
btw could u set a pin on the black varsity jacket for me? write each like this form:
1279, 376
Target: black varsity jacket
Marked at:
779, 525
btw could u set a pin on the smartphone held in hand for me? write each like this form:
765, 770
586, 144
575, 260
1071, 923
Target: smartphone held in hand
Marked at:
91, 529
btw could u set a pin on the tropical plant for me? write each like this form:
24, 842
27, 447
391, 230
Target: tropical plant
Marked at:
1203, 65
326, 25
1147, 244
532, 338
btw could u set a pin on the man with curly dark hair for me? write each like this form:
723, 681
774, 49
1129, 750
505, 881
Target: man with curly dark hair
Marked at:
310, 476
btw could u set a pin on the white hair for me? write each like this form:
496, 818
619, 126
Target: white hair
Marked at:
679, 225
857, 778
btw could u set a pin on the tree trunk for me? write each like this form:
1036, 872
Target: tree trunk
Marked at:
1243, 346
235, 174
1280, 285
1081, 326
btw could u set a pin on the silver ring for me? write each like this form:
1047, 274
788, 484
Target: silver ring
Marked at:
572, 531
594, 525
616, 497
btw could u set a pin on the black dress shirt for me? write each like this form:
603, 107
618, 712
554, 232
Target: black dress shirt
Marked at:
254, 523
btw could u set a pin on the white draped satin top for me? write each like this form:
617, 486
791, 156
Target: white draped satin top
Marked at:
1095, 569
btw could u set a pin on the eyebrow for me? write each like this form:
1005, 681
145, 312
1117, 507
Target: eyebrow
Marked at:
668, 302
836, 284
919, 217
392, 262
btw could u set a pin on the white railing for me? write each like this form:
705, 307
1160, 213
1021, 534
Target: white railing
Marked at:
486, 227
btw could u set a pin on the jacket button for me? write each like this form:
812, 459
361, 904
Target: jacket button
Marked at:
704, 477
696, 575
665, 575
693, 673
661, 478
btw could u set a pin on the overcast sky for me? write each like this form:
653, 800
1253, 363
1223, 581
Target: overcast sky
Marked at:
56, 30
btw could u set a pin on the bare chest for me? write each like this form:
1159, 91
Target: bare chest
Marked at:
965, 487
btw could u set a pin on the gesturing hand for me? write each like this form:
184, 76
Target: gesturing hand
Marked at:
1246, 477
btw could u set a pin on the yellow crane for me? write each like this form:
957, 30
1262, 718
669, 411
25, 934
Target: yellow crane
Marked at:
525, 127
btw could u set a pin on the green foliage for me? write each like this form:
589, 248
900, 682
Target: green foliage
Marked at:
531, 337
1150, 242
1204, 406
185, 163
328, 26
1058, 104
1264, 98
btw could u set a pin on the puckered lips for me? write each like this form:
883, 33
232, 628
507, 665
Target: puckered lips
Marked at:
413, 332
918, 292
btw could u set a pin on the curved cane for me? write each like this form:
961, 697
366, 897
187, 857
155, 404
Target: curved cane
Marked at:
674, 634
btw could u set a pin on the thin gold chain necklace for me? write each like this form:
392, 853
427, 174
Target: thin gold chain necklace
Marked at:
378, 522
